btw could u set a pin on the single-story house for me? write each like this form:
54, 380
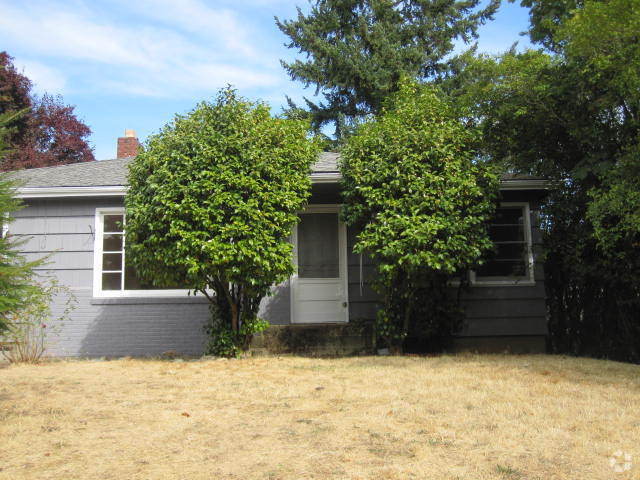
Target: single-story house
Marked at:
73, 212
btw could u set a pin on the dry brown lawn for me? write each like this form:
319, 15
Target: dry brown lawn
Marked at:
458, 417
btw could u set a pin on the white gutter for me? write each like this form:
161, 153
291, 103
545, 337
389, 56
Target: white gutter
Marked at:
60, 192
325, 177
523, 184
510, 184
320, 177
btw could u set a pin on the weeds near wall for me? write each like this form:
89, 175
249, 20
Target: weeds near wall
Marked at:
31, 330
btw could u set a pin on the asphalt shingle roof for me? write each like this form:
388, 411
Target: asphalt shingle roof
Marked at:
86, 174
327, 162
112, 173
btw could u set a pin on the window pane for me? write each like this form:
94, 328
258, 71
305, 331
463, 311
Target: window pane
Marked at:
133, 282
318, 251
509, 215
511, 251
112, 242
113, 223
506, 233
112, 261
509, 257
111, 281
502, 268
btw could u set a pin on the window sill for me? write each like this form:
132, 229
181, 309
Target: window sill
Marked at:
148, 300
503, 283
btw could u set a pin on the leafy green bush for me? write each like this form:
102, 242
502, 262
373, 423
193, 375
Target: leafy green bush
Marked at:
212, 201
223, 341
416, 188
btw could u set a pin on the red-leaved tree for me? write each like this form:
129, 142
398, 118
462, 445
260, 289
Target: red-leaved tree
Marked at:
48, 134
14, 96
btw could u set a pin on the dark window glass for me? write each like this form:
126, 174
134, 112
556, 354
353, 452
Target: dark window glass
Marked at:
112, 242
113, 223
510, 256
112, 261
511, 251
506, 233
111, 281
509, 216
133, 282
502, 268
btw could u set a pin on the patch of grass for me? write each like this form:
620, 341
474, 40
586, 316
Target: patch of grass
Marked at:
509, 472
467, 417
439, 442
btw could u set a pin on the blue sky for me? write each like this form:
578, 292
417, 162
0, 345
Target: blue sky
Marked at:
134, 64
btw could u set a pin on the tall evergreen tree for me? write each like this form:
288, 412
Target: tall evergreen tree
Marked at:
358, 50
16, 272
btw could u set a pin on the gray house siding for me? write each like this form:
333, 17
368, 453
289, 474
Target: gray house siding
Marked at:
515, 312
64, 229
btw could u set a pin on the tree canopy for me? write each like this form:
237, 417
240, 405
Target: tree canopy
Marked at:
212, 201
47, 133
570, 112
414, 185
357, 51
15, 96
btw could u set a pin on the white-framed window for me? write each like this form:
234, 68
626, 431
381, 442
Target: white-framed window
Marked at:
511, 262
112, 277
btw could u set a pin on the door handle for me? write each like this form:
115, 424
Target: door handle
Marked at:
344, 304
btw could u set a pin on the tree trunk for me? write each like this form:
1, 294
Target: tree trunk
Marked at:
234, 316
233, 305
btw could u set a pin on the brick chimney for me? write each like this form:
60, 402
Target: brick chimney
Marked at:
128, 145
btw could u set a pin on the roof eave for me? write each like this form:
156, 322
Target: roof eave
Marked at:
325, 177
317, 177
525, 184
121, 190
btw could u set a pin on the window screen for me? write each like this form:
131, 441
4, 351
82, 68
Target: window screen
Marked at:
318, 251
510, 257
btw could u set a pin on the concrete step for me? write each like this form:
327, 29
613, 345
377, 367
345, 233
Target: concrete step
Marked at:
317, 339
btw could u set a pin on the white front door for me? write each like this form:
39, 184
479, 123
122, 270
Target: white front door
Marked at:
319, 287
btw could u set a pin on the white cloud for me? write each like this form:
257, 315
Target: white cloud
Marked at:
149, 47
44, 78
66, 34
220, 24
